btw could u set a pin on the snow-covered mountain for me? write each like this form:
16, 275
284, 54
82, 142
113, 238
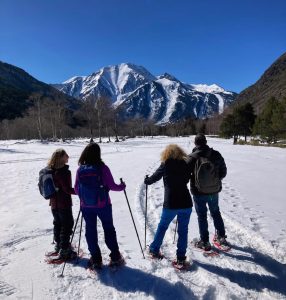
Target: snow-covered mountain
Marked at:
162, 99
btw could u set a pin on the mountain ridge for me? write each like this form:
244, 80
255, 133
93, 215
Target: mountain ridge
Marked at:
272, 83
166, 99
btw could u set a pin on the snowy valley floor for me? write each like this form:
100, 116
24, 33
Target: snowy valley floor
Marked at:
252, 203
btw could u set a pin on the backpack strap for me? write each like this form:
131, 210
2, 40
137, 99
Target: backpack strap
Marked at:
209, 153
195, 155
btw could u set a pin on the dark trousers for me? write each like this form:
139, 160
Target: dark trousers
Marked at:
201, 202
63, 225
105, 215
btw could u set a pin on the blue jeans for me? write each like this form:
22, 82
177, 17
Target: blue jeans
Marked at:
183, 216
105, 215
201, 202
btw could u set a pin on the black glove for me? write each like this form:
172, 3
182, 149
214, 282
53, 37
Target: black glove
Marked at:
146, 180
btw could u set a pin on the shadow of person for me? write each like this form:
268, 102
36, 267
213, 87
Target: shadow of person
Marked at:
274, 282
130, 280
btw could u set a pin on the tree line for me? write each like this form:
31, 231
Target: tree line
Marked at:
49, 118
268, 126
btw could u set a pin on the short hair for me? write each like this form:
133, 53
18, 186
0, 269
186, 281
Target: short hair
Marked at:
200, 140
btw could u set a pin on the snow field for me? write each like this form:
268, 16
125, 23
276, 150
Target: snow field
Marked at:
252, 205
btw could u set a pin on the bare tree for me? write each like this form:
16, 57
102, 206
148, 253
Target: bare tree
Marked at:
36, 112
89, 111
104, 108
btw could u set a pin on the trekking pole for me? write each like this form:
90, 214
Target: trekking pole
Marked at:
79, 239
175, 231
146, 210
74, 228
133, 219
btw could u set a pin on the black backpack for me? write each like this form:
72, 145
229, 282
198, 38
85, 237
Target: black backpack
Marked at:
207, 179
46, 183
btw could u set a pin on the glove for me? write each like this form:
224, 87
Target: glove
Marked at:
146, 180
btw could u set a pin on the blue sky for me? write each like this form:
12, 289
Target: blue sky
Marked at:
227, 42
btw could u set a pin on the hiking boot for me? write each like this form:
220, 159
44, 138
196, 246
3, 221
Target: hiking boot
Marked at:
67, 254
117, 262
221, 240
155, 255
206, 246
57, 248
95, 263
181, 261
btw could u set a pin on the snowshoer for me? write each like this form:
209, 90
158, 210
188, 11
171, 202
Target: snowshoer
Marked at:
92, 185
61, 204
205, 188
177, 199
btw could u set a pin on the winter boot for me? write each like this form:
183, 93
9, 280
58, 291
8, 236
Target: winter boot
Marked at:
67, 254
117, 261
155, 255
181, 260
206, 246
221, 241
95, 263
181, 263
57, 247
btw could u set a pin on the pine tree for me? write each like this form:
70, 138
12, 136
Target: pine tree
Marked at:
240, 122
271, 122
227, 127
244, 119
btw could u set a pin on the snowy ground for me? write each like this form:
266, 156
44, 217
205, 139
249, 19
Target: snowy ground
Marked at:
252, 203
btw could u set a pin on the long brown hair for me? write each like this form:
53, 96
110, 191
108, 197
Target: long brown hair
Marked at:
56, 160
173, 151
91, 155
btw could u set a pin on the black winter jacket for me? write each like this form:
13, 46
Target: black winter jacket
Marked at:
215, 157
176, 175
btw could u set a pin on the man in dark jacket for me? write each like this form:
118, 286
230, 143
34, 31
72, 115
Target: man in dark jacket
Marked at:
202, 199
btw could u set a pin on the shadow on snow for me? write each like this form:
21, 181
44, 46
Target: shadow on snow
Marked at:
131, 280
253, 281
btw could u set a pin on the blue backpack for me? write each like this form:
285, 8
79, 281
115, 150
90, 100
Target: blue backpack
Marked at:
46, 183
92, 192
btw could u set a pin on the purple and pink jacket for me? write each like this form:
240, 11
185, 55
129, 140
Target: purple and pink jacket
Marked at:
107, 181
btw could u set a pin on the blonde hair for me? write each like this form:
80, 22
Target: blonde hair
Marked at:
56, 161
173, 151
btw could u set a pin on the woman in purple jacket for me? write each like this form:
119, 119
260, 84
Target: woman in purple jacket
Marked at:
93, 182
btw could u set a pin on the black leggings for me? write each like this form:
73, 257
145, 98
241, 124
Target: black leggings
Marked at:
63, 225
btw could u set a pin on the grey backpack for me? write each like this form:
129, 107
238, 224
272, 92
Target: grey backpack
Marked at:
207, 179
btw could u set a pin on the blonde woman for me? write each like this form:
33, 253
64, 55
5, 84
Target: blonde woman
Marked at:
61, 204
177, 200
